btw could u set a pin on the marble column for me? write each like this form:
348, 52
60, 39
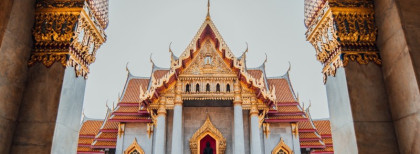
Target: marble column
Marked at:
255, 131
177, 135
238, 134
160, 136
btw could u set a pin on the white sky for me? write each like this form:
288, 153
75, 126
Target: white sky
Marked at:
140, 27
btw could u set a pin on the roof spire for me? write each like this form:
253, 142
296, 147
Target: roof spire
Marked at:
208, 10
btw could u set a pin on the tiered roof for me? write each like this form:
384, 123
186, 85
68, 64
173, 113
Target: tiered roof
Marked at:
139, 92
324, 129
88, 131
311, 10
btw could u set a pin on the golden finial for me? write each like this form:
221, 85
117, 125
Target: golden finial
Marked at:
208, 9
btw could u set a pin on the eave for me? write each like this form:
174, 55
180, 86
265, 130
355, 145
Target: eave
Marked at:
284, 120
132, 120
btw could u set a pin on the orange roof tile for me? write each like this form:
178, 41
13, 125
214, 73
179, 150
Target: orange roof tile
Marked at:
131, 117
305, 125
85, 140
311, 143
159, 73
90, 127
105, 143
326, 149
126, 109
327, 140
111, 125
255, 73
283, 91
132, 90
293, 108
309, 135
87, 149
323, 126
287, 117
108, 135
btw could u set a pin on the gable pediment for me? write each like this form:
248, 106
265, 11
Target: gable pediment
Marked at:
207, 62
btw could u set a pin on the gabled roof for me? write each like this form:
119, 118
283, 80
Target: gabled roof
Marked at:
100, 9
207, 31
88, 130
131, 91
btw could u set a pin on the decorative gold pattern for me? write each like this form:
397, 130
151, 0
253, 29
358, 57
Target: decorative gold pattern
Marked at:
266, 129
281, 146
295, 129
180, 68
66, 32
121, 129
150, 129
207, 129
134, 148
342, 32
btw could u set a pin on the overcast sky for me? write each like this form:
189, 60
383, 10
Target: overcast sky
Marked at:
140, 27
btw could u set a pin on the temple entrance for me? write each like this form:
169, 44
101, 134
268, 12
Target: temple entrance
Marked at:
207, 140
208, 145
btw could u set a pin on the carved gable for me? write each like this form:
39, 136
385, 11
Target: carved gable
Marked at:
207, 62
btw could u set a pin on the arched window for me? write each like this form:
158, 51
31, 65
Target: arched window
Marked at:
228, 88
218, 88
197, 88
187, 88
208, 87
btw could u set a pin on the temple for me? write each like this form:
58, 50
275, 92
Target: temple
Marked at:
207, 101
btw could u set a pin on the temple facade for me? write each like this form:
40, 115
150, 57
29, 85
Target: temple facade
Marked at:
207, 101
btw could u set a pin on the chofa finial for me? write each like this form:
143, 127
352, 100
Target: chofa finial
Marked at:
265, 61
208, 9
151, 60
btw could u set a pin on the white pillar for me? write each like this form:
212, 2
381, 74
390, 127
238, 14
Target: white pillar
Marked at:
160, 147
255, 129
177, 133
239, 146
238, 134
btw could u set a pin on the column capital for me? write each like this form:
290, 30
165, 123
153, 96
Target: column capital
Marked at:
178, 90
162, 108
237, 96
254, 110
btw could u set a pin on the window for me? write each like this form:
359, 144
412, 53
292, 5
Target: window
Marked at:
207, 60
218, 88
135, 152
197, 88
227, 88
187, 88
281, 152
208, 87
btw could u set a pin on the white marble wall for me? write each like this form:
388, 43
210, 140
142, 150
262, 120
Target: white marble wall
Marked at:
138, 131
277, 131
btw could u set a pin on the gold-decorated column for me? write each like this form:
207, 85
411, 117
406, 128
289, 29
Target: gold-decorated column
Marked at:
238, 134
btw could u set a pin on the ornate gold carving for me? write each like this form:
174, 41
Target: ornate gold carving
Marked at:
282, 148
121, 129
66, 32
343, 32
207, 62
207, 129
295, 129
254, 109
183, 68
149, 129
162, 108
134, 148
266, 129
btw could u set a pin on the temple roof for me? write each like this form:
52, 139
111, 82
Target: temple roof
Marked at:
100, 9
311, 9
88, 130
131, 90
323, 126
